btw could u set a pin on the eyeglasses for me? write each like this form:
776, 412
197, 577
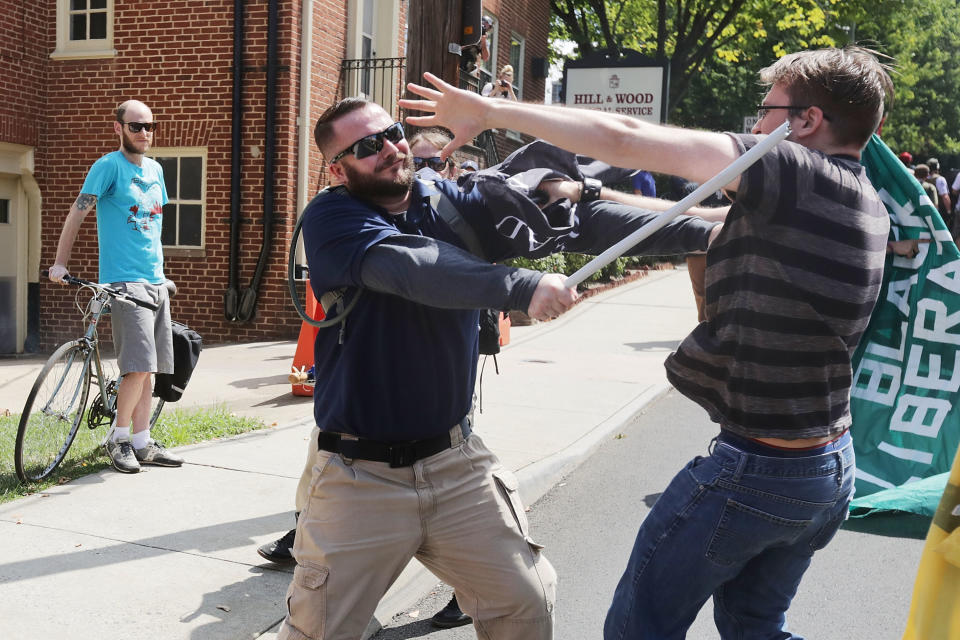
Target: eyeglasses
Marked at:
373, 143
137, 127
434, 163
764, 109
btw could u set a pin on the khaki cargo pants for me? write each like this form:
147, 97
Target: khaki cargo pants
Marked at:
458, 512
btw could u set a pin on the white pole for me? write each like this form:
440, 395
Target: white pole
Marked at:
718, 181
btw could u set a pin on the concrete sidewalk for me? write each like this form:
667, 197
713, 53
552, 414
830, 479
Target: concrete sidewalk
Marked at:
171, 553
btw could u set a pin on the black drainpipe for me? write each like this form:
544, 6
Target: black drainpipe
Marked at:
248, 302
231, 296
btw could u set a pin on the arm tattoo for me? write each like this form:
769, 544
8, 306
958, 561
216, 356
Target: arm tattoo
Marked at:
85, 201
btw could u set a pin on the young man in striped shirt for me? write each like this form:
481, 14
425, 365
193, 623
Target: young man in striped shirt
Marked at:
791, 282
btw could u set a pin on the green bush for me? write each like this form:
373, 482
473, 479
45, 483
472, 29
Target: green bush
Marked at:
575, 261
555, 263
570, 263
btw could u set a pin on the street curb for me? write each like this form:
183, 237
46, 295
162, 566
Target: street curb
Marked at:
536, 479
299, 423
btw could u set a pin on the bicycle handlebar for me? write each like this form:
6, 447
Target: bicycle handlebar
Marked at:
116, 293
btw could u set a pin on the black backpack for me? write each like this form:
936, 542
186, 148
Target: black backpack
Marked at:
187, 344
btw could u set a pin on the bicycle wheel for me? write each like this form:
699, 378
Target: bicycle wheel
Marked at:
53, 412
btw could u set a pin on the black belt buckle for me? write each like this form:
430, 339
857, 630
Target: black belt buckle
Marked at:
401, 455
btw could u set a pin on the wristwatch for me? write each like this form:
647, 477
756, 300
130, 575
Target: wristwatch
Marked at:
591, 190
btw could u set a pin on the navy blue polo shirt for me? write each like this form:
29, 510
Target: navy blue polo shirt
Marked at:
403, 371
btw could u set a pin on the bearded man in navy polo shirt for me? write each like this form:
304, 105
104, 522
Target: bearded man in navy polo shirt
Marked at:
397, 472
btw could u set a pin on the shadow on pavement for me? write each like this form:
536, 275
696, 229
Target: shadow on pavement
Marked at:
417, 629
662, 345
288, 399
224, 535
233, 604
260, 382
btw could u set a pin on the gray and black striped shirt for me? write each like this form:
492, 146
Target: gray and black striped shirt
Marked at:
791, 282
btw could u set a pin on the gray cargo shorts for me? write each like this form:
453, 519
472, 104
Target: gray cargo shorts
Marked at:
142, 338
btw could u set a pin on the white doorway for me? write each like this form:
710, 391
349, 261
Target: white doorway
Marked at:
13, 263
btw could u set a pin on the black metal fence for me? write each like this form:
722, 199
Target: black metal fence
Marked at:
379, 80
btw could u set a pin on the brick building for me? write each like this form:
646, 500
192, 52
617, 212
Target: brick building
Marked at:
65, 64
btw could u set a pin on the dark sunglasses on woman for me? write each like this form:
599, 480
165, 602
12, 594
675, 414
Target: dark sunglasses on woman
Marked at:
434, 163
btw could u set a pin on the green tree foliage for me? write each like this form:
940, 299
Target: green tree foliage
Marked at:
920, 35
697, 36
716, 48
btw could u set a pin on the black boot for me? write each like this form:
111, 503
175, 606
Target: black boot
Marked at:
450, 616
279, 550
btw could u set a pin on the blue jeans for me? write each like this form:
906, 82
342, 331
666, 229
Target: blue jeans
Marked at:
740, 525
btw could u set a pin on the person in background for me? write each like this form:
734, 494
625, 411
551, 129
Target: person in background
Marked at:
425, 146
128, 192
922, 174
943, 191
502, 86
643, 184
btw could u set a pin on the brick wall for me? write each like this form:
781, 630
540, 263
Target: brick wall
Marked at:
23, 26
531, 20
177, 57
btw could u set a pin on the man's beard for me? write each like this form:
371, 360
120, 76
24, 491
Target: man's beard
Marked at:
372, 187
128, 144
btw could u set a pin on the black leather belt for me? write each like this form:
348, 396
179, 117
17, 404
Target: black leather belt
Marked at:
398, 454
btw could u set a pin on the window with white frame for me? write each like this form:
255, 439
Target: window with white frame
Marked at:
367, 39
185, 176
517, 45
84, 29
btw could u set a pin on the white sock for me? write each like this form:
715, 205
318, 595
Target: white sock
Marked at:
120, 433
141, 438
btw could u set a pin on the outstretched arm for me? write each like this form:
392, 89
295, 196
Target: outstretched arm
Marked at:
438, 274
613, 138
606, 221
571, 190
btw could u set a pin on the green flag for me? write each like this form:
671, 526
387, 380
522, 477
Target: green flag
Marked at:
906, 425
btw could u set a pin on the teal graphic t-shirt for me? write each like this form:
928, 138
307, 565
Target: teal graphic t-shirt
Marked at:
130, 203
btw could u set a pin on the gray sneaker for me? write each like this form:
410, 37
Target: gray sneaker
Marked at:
156, 453
122, 456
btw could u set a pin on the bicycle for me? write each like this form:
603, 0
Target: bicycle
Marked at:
57, 403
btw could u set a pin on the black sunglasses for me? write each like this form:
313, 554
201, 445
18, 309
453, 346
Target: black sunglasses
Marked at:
373, 143
764, 109
434, 163
137, 127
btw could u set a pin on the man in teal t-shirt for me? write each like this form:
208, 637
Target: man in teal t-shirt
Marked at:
127, 189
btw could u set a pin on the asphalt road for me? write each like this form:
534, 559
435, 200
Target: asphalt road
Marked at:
858, 588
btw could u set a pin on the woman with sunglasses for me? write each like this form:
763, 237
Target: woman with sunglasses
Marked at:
425, 147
